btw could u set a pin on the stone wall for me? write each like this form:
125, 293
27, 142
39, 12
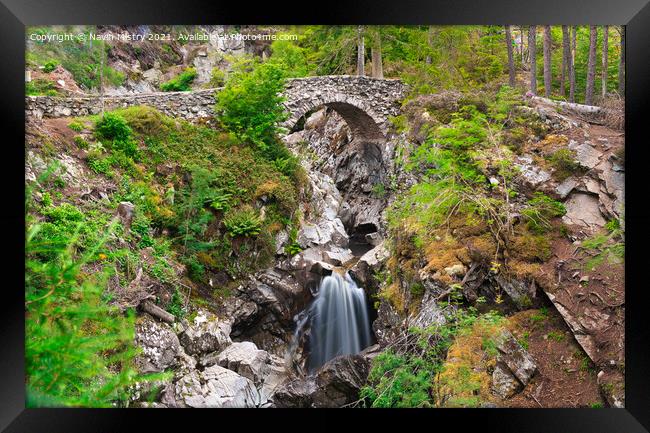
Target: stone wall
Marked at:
364, 103
188, 105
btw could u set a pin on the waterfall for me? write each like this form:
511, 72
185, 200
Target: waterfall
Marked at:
338, 319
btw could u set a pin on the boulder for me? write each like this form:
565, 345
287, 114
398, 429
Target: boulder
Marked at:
336, 384
125, 211
583, 210
504, 383
368, 264
206, 334
214, 387
159, 343
297, 393
586, 154
276, 376
457, 270
339, 381
243, 358
520, 363
337, 256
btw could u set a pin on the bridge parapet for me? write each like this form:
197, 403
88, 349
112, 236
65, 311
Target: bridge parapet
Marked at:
365, 103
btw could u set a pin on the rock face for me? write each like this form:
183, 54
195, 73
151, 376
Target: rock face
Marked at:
336, 384
515, 367
159, 343
583, 209
368, 264
205, 334
339, 381
264, 308
246, 359
214, 387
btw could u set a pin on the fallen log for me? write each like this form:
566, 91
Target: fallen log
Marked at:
151, 308
578, 108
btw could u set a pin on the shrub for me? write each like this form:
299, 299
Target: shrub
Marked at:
113, 127
217, 78
541, 209
80, 142
243, 222
564, 163
41, 87
50, 66
181, 82
76, 126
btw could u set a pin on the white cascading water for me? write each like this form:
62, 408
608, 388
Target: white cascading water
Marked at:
339, 321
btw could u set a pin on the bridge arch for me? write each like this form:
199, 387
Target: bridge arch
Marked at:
364, 103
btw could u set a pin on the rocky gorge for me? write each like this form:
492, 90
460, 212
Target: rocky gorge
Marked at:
468, 245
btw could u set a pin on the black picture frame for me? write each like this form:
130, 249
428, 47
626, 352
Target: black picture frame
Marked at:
635, 14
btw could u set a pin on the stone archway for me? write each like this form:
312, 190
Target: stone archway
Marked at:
365, 104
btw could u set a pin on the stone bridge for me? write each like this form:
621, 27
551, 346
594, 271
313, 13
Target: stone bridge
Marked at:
365, 103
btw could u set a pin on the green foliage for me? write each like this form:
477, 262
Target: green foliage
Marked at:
608, 246
79, 350
250, 107
175, 306
289, 57
40, 87
76, 126
50, 66
292, 247
180, 83
114, 127
409, 377
398, 381
564, 163
243, 222
540, 211
217, 78
82, 57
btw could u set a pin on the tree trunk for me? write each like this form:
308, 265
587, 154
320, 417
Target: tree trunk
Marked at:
591, 66
566, 59
572, 70
361, 52
429, 44
532, 53
603, 72
523, 45
511, 61
621, 65
547, 61
375, 52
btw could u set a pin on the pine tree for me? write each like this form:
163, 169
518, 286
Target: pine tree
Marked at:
547, 61
603, 72
532, 50
511, 62
621, 65
375, 52
591, 66
361, 52
566, 59
572, 70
